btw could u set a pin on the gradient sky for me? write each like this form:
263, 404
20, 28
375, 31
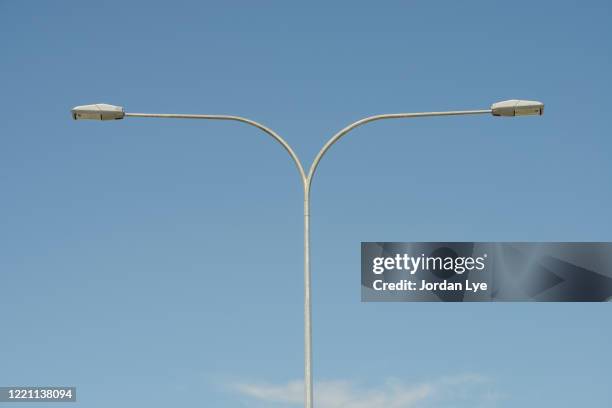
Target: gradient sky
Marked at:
159, 263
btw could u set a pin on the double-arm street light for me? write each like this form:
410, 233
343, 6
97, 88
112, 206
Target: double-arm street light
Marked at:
506, 108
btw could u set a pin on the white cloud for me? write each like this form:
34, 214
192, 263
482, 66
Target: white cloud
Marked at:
391, 394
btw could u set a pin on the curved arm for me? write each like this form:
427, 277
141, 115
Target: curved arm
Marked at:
265, 129
343, 132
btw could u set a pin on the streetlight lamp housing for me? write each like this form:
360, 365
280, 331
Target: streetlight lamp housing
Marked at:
98, 111
515, 107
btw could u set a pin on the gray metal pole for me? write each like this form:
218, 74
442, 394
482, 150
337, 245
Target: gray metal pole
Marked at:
307, 182
307, 305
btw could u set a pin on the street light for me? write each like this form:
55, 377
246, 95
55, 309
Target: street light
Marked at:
98, 111
515, 107
511, 107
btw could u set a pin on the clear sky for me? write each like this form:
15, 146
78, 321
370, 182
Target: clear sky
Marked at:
159, 263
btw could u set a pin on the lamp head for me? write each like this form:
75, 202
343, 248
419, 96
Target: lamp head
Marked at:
516, 107
98, 111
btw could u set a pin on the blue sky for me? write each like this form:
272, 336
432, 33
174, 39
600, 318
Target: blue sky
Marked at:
157, 263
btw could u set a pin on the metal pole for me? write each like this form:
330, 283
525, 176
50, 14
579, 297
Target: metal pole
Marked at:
306, 182
307, 305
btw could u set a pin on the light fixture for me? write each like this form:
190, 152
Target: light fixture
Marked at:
98, 111
516, 107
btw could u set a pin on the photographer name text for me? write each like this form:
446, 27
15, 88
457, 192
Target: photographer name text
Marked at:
409, 285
